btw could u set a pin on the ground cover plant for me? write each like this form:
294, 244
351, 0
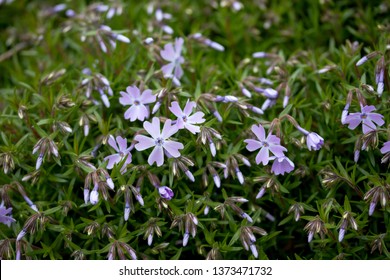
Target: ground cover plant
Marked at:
194, 129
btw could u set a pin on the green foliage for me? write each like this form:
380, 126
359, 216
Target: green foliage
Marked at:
312, 47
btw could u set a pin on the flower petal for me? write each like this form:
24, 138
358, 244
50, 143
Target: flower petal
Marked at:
259, 131
277, 150
178, 45
176, 110
167, 69
178, 71
173, 148
196, 118
131, 113
192, 128
157, 155
168, 53
168, 129
122, 143
153, 128
263, 156
112, 143
147, 97
190, 105
112, 159
144, 142
252, 145
377, 118
126, 99
143, 112
133, 91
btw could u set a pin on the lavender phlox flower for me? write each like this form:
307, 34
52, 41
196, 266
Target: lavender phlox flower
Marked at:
282, 165
172, 53
6, 215
115, 8
366, 118
165, 192
313, 140
138, 103
94, 195
158, 141
265, 144
386, 148
120, 146
346, 108
185, 118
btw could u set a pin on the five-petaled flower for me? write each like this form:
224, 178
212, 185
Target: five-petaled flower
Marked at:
282, 165
159, 141
184, 117
165, 192
313, 140
137, 101
6, 215
173, 55
271, 143
120, 146
365, 117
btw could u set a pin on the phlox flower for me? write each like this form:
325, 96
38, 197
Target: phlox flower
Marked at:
172, 53
159, 141
184, 117
6, 215
137, 101
313, 140
282, 165
120, 146
365, 117
265, 144
165, 192
386, 147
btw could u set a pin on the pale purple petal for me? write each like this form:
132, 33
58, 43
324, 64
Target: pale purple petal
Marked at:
196, 118
165, 192
133, 91
263, 156
190, 105
259, 131
386, 148
368, 126
142, 112
168, 53
180, 123
131, 113
252, 145
147, 97
176, 110
112, 143
178, 45
377, 118
153, 128
122, 143
273, 139
126, 99
144, 142
173, 148
192, 128
277, 150
168, 129
368, 109
282, 165
168, 69
112, 159
157, 155
353, 120
178, 71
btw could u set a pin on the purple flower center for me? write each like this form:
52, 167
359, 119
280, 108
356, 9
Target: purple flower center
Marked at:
121, 154
159, 142
265, 143
363, 116
136, 102
184, 118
